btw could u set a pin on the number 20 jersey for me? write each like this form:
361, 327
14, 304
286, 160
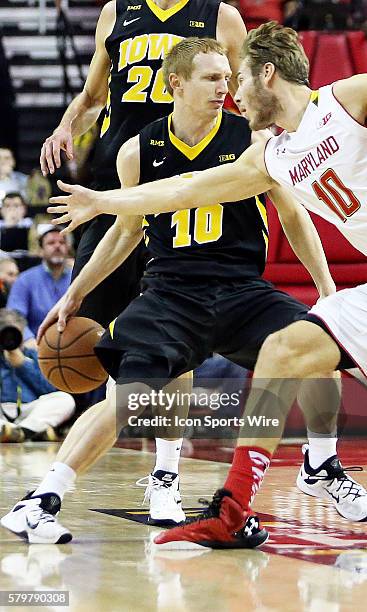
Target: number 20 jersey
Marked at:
142, 36
324, 163
216, 241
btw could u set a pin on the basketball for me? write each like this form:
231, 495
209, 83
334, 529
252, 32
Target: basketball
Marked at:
68, 360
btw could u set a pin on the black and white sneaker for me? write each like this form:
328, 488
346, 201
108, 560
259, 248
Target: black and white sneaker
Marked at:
330, 482
34, 519
163, 494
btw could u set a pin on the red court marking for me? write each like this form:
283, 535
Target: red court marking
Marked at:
310, 542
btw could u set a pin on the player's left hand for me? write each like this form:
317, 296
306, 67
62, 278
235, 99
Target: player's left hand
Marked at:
77, 208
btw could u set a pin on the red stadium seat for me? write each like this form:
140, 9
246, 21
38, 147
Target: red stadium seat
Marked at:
358, 48
347, 265
332, 61
309, 42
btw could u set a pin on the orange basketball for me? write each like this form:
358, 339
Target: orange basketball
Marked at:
68, 360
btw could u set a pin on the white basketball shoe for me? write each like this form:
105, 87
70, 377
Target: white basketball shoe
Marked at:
163, 494
34, 520
330, 482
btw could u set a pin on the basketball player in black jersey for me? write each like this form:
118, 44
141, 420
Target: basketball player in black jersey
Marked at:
203, 289
125, 77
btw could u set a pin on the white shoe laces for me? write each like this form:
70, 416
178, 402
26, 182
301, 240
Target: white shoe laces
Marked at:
152, 483
346, 486
39, 515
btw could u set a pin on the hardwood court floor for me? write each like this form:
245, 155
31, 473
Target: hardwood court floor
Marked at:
314, 561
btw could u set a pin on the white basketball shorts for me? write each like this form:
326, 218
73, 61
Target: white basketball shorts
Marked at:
345, 315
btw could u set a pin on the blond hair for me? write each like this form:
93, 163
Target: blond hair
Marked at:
180, 59
277, 45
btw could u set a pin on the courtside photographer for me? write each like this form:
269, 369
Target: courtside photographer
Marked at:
30, 407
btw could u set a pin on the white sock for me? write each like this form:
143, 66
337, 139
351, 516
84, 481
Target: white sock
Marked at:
58, 480
167, 455
321, 447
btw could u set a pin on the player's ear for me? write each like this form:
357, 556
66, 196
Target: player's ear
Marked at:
268, 72
174, 81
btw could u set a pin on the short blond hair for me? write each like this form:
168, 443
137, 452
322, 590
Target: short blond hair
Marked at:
280, 46
180, 59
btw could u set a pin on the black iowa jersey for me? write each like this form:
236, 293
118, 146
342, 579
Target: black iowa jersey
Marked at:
142, 35
217, 241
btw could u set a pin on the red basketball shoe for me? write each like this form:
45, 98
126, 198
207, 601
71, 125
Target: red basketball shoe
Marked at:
222, 525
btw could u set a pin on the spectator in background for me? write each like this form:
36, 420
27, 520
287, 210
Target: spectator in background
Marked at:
14, 225
31, 408
8, 274
38, 289
10, 180
38, 188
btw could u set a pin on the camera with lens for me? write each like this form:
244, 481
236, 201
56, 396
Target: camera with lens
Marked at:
11, 325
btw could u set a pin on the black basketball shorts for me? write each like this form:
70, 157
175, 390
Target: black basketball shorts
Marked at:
174, 325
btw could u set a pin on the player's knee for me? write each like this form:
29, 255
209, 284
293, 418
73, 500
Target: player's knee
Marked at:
278, 355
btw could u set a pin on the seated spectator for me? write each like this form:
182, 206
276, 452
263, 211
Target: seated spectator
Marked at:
14, 225
38, 188
9, 272
31, 408
10, 180
38, 289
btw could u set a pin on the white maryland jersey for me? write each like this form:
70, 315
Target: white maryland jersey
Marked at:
325, 164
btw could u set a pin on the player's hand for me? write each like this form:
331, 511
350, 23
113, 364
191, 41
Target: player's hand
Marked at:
50, 158
77, 208
66, 307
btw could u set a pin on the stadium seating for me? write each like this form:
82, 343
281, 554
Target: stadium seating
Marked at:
347, 265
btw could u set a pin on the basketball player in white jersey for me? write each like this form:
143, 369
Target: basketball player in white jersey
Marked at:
321, 156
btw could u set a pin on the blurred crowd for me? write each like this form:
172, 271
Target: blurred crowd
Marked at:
35, 271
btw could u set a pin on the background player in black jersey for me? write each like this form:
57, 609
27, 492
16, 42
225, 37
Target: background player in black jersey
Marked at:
125, 78
203, 290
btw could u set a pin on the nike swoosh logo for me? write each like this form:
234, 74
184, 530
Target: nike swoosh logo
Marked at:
126, 23
156, 163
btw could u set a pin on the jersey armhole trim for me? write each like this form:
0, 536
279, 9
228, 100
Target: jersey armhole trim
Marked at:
265, 164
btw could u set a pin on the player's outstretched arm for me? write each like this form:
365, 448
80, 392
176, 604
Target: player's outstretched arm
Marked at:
84, 110
236, 181
303, 238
